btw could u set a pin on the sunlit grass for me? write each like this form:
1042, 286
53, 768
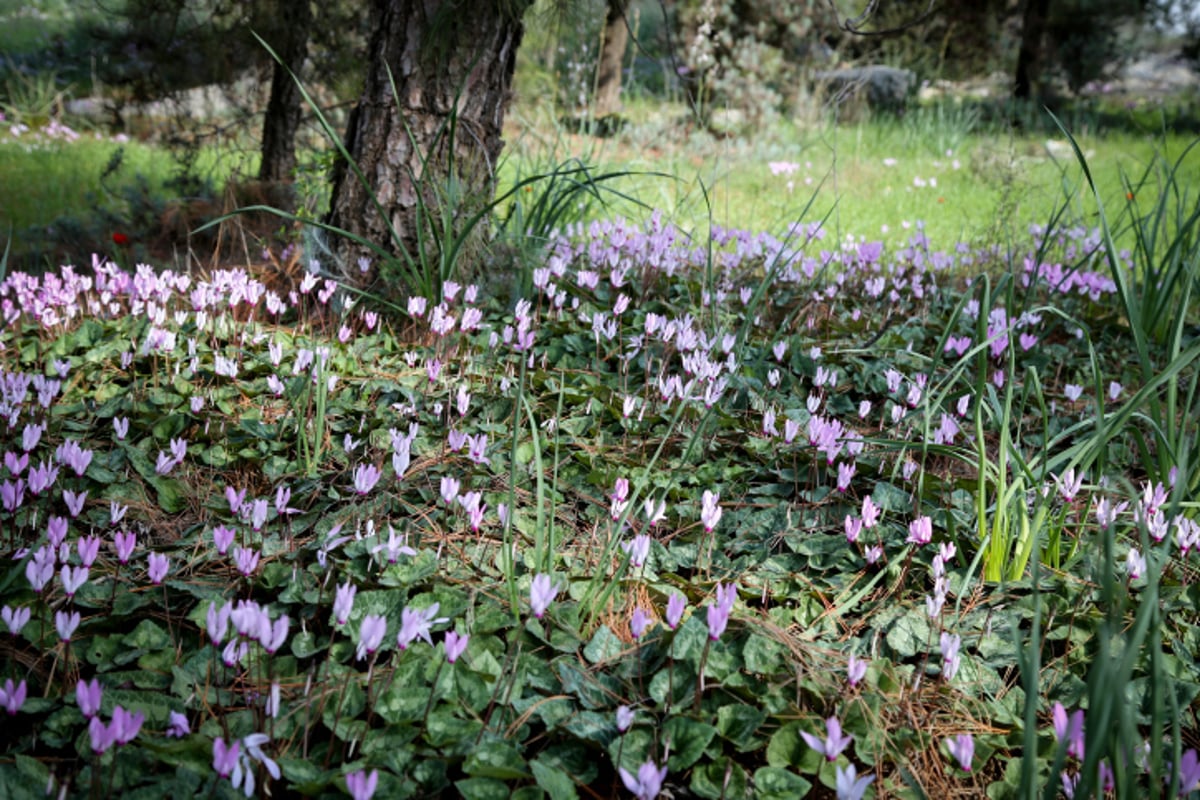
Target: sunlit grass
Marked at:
46, 182
873, 176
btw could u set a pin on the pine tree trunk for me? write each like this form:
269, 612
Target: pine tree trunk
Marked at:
428, 150
282, 118
612, 55
1029, 56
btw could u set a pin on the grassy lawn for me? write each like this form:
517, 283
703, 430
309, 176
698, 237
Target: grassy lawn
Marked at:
62, 195
873, 179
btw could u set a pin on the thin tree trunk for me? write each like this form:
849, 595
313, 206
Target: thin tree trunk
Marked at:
612, 55
282, 118
428, 149
1029, 56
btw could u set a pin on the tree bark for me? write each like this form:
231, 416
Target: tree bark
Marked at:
428, 149
612, 55
1029, 56
282, 118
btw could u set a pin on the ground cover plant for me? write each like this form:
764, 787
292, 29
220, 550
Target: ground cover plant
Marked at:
737, 514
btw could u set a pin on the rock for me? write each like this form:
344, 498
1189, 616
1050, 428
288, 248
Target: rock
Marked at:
883, 88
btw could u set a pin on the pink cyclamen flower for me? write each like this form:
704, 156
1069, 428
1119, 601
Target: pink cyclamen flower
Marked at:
833, 744
12, 697
1189, 773
654, 513
178, 725
73, 578
88, 548
542, 592
272, 637
950, 643
343, 602
365, 478
225, 757
87, 695
849, 785
845, 473
639, 622
102, 736
370, 635
638, 549
12, 494
124, 542
710, 511
222, 538
74, 501
39, 570
718, 612
283, 496
455, 645
235, 497
125, 725
962, 748
246, 559
65, 624
854, 527
1069, 484
624, 718
56, 531
920, 531
1135, 564
648, 782
856, 670
675, 608
15, 618
217, 622
416, 623
477, 449
158, 566
1069, 730
258, 513
16, 463
361, 784
164, 464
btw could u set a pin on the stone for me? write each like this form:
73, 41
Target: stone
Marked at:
882, 88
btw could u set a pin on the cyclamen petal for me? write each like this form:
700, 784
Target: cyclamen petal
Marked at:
541, 594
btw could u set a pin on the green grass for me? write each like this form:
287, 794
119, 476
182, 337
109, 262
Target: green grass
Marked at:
1002, 183
55, 192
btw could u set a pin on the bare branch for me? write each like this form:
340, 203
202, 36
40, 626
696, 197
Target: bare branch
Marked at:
854, 25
